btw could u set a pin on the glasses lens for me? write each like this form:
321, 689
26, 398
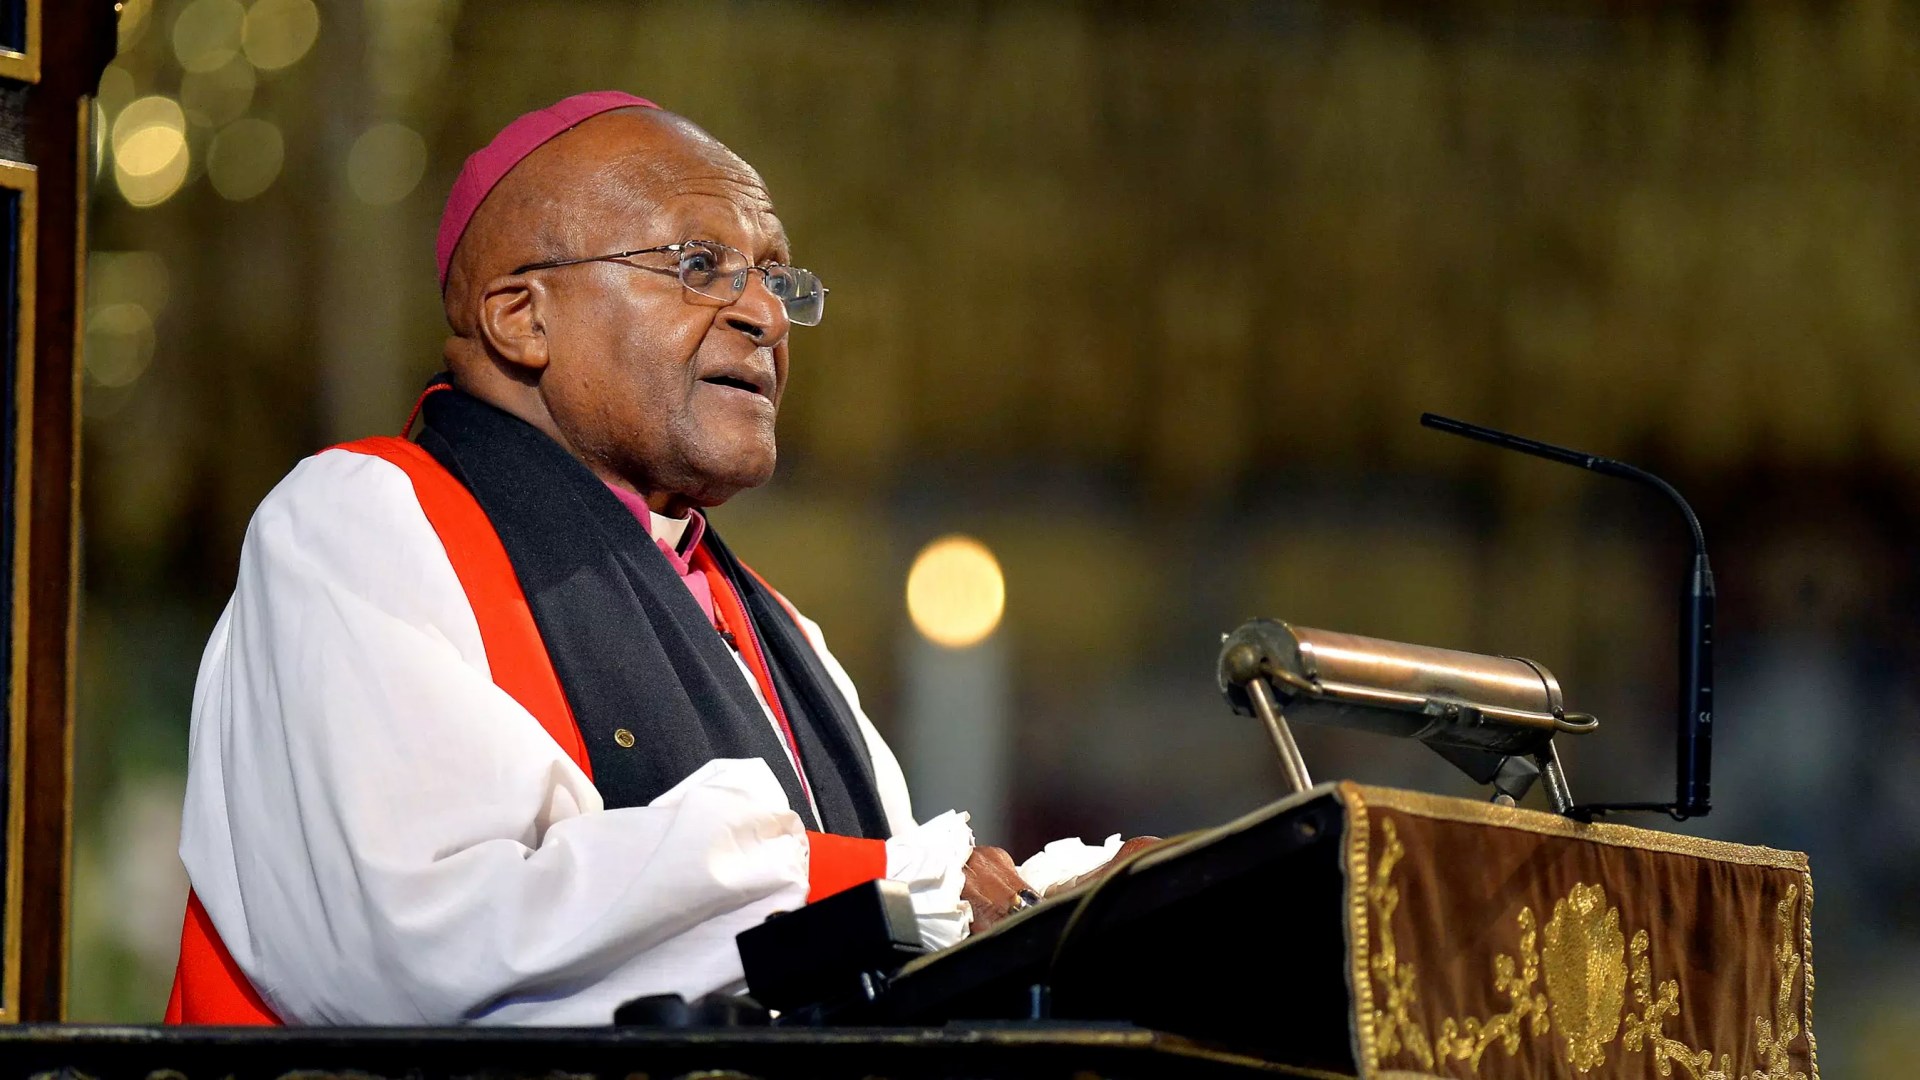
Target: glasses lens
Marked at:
781, 282
718, 272
805, 298
712, 270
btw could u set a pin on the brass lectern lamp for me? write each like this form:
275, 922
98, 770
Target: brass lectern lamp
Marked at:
1492, 716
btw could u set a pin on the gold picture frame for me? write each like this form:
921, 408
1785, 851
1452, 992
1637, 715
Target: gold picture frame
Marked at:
23, 180
24, 65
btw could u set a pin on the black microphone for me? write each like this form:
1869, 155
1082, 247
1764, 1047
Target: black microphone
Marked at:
1694, 734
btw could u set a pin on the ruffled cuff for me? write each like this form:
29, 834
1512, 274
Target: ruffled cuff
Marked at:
1064, 860
931, 860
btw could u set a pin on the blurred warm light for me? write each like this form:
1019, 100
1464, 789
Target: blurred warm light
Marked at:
99, 130
119, 344
218, 97
206, 33
127, 277
386, 163
150, 150
116, 90
279, 32
955, 592
147, 132
152, 189
245, 158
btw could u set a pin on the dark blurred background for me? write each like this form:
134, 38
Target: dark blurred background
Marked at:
1146, 298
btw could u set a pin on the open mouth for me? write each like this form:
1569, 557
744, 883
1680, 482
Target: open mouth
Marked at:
735, 382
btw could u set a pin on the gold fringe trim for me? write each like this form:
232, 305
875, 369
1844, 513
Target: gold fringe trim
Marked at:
1472, 812
1806, 956
1359, 976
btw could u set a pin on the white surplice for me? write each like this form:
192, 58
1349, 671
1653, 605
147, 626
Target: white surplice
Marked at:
383, 836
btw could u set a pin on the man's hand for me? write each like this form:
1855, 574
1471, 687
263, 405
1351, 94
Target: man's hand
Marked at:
1138, 843
993, 887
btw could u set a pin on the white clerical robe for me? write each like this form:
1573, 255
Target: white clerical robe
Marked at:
383, 836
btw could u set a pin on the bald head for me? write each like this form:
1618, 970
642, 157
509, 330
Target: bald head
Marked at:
550, 204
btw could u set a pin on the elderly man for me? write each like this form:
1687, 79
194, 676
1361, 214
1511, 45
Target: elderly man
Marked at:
495, 728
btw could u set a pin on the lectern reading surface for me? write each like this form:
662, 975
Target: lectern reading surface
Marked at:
1355, 931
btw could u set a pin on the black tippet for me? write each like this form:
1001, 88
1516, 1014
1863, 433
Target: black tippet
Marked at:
631, 646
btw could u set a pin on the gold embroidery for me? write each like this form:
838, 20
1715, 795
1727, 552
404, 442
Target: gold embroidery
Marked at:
1586, 973
1394, 1028
1468, 1039
1393, 1024
1586, 978
1645, 1028
1773, 1037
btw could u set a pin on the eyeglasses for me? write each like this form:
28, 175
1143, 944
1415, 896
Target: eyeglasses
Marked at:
711, 269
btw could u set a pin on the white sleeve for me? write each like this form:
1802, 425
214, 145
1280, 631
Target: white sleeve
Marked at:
382, 836
930, 858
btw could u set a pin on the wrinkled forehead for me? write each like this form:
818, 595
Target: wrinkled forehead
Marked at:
652, 187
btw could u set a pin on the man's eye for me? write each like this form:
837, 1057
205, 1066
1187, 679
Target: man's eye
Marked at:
699, 260
780, 282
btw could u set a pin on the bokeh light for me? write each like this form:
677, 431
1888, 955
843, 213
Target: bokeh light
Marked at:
245, 158
150, 155
152, 189
386, 163
97, 134
116, 89
278, 33
126, 291
955, 592
119, 344
130, 277
206, 33
220, 96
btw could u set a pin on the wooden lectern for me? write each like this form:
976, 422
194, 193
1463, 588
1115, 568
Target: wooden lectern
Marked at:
1358, 931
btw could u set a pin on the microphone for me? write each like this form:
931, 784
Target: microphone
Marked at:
1694, 727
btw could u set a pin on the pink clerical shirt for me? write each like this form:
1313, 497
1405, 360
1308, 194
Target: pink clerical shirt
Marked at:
694, 580
689, 532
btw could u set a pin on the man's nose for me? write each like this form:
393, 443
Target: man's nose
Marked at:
758, 313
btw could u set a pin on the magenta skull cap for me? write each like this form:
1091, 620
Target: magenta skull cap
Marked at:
492, 162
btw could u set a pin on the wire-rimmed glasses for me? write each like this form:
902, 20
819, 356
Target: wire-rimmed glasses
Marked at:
718, 272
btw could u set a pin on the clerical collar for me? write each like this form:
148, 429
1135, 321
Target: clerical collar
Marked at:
679, 535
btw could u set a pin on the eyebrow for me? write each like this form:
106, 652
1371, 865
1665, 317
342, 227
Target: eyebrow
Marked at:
695, 225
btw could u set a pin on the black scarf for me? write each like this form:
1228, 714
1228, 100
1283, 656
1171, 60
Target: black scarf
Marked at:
630, 644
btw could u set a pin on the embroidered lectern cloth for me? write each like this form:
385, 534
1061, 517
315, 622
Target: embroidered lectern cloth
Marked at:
1492, 942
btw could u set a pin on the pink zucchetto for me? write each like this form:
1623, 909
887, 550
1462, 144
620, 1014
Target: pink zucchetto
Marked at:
488, 166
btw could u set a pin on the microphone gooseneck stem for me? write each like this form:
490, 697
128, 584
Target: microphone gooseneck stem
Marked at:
1694, 733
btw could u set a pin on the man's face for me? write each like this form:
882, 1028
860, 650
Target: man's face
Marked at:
673, 392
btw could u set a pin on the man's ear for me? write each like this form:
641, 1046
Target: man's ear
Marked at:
512, 323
